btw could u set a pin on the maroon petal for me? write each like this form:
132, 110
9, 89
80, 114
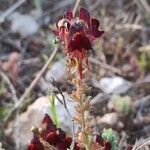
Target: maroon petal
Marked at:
99, 140
87, 63
107, 146
94, 28
76, 27
47, 120
78, 42
67, 141
68, 15
48, 123
85, 15
64, 144
31, 147
76, 147
52, 138
86, 43
35, 144
61, 134
61, 146
56, 33
129, 147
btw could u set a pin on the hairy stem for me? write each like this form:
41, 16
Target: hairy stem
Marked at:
83, 127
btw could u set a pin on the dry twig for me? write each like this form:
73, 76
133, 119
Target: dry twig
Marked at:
15, 99
32, 85
105, 66
10, 10
141, 144
11, 87
76, 7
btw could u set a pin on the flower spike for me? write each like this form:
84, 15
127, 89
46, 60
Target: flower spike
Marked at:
77, 35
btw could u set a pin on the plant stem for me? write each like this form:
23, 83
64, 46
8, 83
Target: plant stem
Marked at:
83, 126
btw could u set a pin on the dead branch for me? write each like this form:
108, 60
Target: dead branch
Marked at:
32, 85
141, 144
10, 10
11, 87
105, 66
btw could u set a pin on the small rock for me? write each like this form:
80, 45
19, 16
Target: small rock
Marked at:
109, 118
1, 146
115, 85
20, 130
110, 105
57, 71
24, 24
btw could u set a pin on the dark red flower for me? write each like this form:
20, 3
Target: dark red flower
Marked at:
77, 35
105, 144
64, 144
48, 124
35, 144
129, 147
99, 140
33, 147
54, 136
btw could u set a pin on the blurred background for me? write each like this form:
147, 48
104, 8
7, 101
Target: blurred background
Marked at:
119, 77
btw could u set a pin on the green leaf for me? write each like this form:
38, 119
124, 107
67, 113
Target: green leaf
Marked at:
2, 88
53, 109
143, 62
3, 112
110, 136
122, 104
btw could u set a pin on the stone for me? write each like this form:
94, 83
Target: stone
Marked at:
109, 118
20, 129
114, 85
23, 23
57, 71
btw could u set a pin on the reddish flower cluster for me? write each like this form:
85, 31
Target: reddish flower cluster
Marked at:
77, 35
105, 144
55, 137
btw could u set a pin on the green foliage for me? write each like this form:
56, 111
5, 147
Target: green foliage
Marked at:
110, 136
122, 104
143, 62
147, 19
2, 88
53, 109
4, 110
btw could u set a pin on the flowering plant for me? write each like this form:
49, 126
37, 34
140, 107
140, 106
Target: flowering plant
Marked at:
76, 35
50, 137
